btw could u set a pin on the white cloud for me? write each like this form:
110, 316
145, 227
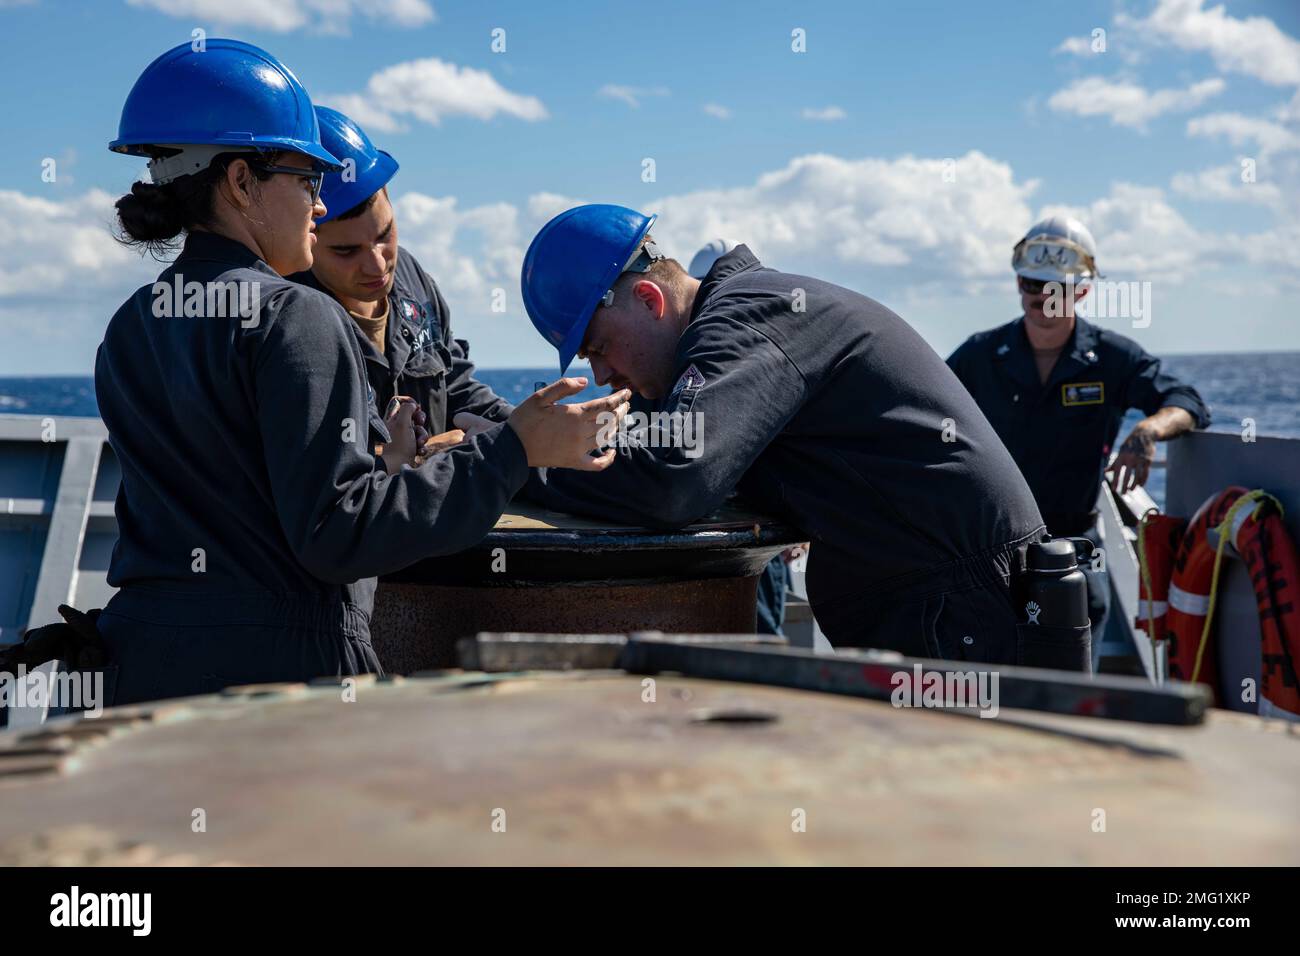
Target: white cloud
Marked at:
831, 214
361, 108
543, 207
1140, 236
828, 215
893, 228
431, 90
282, 16
631, 95
469, 251
60, 246
1128, 104
1254, 46
907, 230
62, 276
825, 114
713, 109
1240, 130
1076, 46
1225, 183
1289, 112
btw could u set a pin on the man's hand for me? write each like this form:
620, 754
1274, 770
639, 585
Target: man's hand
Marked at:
437, 445
563, 436
405, 421
472, 424
1132, 465
442, 442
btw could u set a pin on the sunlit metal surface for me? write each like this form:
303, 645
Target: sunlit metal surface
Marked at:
601, 767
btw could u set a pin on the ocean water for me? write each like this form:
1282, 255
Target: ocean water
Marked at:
1262, 386
75, 394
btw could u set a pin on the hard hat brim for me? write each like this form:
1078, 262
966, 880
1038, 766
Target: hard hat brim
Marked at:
374, 179
322, 159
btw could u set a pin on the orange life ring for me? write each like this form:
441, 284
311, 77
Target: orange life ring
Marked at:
1158, 539
1270, 555
1260, 537
1189, 592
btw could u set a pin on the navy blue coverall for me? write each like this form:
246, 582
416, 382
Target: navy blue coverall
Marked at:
1061, 433
827, 410
421, 359
252, 516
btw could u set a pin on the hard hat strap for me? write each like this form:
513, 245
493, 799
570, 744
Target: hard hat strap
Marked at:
187, 160
646, 255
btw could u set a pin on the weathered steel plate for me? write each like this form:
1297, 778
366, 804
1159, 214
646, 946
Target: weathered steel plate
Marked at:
583, 769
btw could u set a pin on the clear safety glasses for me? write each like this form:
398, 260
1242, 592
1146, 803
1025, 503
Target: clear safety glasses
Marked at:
314, 177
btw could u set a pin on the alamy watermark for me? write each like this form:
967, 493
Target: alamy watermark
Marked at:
963, 690
65, 690
129, 910
236, 299
1106, 299
684, 430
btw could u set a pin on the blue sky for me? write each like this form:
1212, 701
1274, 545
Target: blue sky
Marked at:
828, 161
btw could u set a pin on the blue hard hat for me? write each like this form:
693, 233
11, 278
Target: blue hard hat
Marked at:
229, 94
370, 171
570, 265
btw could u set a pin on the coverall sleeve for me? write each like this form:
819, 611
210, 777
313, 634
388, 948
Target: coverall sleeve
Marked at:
1151, 389
749, 391
465, 393
344, 519
959, 362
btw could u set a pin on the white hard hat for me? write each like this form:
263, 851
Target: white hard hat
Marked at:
1058, 249
712, 251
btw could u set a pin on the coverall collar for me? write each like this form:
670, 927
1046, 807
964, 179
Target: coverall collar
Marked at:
739, 259
208, 246
1017, 356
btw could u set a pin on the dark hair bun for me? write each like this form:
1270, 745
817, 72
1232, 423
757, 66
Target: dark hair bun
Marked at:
151, 214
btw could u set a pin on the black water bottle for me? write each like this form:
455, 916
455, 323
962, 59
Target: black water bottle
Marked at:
1053, 611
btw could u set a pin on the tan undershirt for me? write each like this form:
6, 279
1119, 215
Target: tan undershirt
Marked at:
374, 329
1045, 359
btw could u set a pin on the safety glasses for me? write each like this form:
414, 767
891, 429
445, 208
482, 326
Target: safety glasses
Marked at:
1054, 254
314, 177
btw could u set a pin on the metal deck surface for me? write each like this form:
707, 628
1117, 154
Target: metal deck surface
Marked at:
579, 769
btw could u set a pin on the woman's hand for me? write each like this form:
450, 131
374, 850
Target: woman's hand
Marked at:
563, 436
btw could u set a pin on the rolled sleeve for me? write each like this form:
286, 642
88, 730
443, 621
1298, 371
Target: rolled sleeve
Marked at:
1150, 389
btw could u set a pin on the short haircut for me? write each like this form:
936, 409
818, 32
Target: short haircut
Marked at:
360, 207
664, 272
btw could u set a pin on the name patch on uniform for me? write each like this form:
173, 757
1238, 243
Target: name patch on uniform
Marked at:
1083, 393
420, 316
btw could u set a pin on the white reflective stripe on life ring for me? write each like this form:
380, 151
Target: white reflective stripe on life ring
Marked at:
1152, 609
1197, 605
1239, 519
